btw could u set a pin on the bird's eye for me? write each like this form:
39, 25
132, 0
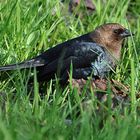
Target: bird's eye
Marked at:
116, 31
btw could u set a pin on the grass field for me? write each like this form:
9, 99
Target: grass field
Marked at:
27, 28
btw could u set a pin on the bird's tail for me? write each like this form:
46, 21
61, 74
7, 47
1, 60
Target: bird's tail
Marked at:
26, 64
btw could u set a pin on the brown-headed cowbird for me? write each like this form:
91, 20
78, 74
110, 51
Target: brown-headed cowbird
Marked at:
92, 54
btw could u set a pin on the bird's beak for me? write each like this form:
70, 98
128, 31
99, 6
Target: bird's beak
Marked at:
126, 33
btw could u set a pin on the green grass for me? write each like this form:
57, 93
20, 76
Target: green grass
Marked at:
27, 28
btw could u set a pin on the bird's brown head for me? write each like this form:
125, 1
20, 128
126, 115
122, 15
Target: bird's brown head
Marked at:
111, 36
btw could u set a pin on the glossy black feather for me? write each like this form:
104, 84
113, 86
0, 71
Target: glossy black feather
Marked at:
80, 54
48, 56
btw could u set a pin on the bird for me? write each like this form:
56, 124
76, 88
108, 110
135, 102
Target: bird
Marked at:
94, 54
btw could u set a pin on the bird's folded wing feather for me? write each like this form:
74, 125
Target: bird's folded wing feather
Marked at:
80, 54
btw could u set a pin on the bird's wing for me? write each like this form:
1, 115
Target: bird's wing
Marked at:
80, 54
46, 57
